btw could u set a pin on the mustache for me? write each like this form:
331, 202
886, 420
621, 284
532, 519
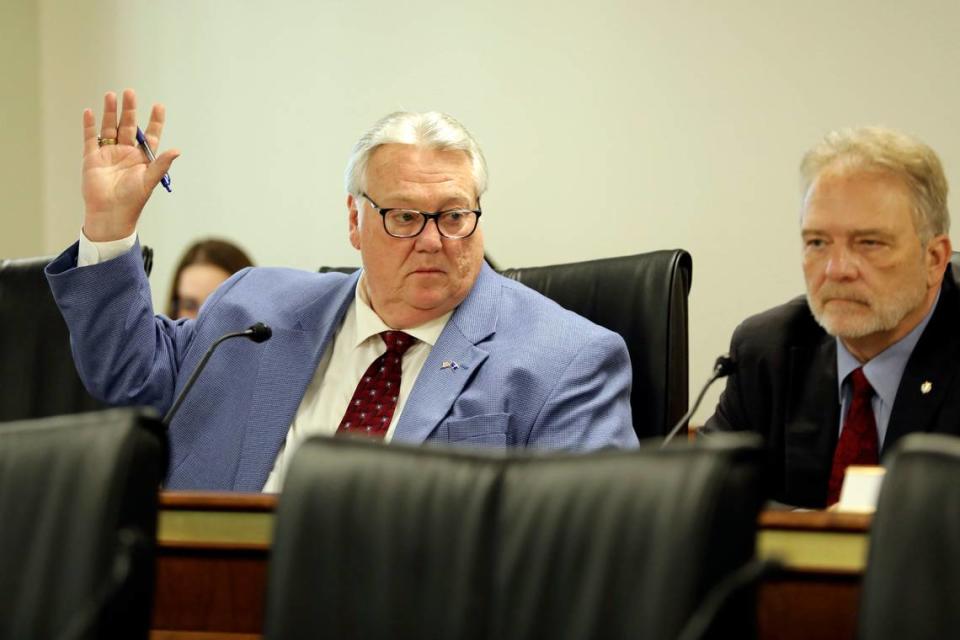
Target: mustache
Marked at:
830, 292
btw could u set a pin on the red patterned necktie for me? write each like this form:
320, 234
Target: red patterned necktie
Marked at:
858, 442
372, 405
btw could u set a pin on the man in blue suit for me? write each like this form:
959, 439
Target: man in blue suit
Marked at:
492, 363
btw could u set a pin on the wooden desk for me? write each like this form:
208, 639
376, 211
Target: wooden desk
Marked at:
213, 551
817, 594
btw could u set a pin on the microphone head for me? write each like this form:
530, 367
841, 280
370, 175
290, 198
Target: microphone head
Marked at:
724, 366
259, 332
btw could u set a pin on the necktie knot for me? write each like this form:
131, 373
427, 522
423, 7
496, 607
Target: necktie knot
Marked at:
397, 342
860, 385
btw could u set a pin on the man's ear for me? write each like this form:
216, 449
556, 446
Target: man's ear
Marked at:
353, 220
938, 254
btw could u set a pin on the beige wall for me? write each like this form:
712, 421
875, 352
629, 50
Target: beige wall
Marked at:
21, 221
610, 127
78, 57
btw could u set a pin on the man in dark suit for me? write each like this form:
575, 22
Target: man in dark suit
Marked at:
873, 351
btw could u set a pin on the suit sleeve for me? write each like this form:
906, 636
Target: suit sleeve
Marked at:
124, 355
589, 406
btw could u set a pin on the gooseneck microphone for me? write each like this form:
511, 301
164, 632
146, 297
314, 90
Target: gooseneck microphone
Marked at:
723, 367
258, 333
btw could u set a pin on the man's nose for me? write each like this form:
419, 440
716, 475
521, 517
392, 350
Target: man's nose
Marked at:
430, 238
842, 265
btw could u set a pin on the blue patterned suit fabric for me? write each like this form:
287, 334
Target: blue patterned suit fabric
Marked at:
529, 373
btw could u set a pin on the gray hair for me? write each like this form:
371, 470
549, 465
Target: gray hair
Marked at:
433, 130
882, 149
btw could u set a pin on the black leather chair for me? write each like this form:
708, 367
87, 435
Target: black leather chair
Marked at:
402, 542
642, 297
37, 374
78, 510
913, 569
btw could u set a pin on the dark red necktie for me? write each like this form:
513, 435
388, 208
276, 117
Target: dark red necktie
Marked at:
372, 405
858, 442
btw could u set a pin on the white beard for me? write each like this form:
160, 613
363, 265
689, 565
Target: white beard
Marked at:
878, 315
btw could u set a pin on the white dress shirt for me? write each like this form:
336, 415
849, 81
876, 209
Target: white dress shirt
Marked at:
354, 346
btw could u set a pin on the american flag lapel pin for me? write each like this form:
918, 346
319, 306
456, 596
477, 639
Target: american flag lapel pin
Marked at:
449, 364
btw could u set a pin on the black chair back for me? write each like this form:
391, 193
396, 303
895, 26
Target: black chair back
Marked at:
78, 511
642, 297
37, 374
624, 546
395, 542
374, 545
913, 570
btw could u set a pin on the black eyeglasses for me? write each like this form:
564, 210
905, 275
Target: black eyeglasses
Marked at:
455, 224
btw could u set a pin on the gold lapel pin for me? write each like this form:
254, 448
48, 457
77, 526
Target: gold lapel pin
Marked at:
926, 387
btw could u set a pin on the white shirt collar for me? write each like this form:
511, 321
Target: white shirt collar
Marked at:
370, 324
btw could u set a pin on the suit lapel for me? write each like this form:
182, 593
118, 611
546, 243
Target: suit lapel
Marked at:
930, 371
438, 386
812, 419
286, 368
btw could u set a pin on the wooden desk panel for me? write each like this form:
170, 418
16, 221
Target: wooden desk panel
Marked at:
212, 553
818, 593
213, 550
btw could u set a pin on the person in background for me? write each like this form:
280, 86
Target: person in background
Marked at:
873, 350
203, 267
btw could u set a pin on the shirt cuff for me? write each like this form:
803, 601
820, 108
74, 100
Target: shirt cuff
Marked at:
91, 253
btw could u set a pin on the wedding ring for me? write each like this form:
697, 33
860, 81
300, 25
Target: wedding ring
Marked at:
103, 141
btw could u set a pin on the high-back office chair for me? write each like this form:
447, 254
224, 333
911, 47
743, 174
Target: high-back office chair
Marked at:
37, 374
78, 510
913, 570
402, 542
642, 297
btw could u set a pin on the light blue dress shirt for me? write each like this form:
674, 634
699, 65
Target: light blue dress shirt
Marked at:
883, 371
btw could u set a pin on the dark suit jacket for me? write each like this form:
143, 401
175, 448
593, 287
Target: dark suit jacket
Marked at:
785, 388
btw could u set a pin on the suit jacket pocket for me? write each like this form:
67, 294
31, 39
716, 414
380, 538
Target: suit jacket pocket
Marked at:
488, 430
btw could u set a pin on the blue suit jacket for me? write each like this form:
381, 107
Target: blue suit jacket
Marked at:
531, 373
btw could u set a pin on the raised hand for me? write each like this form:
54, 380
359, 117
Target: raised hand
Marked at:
117, 177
